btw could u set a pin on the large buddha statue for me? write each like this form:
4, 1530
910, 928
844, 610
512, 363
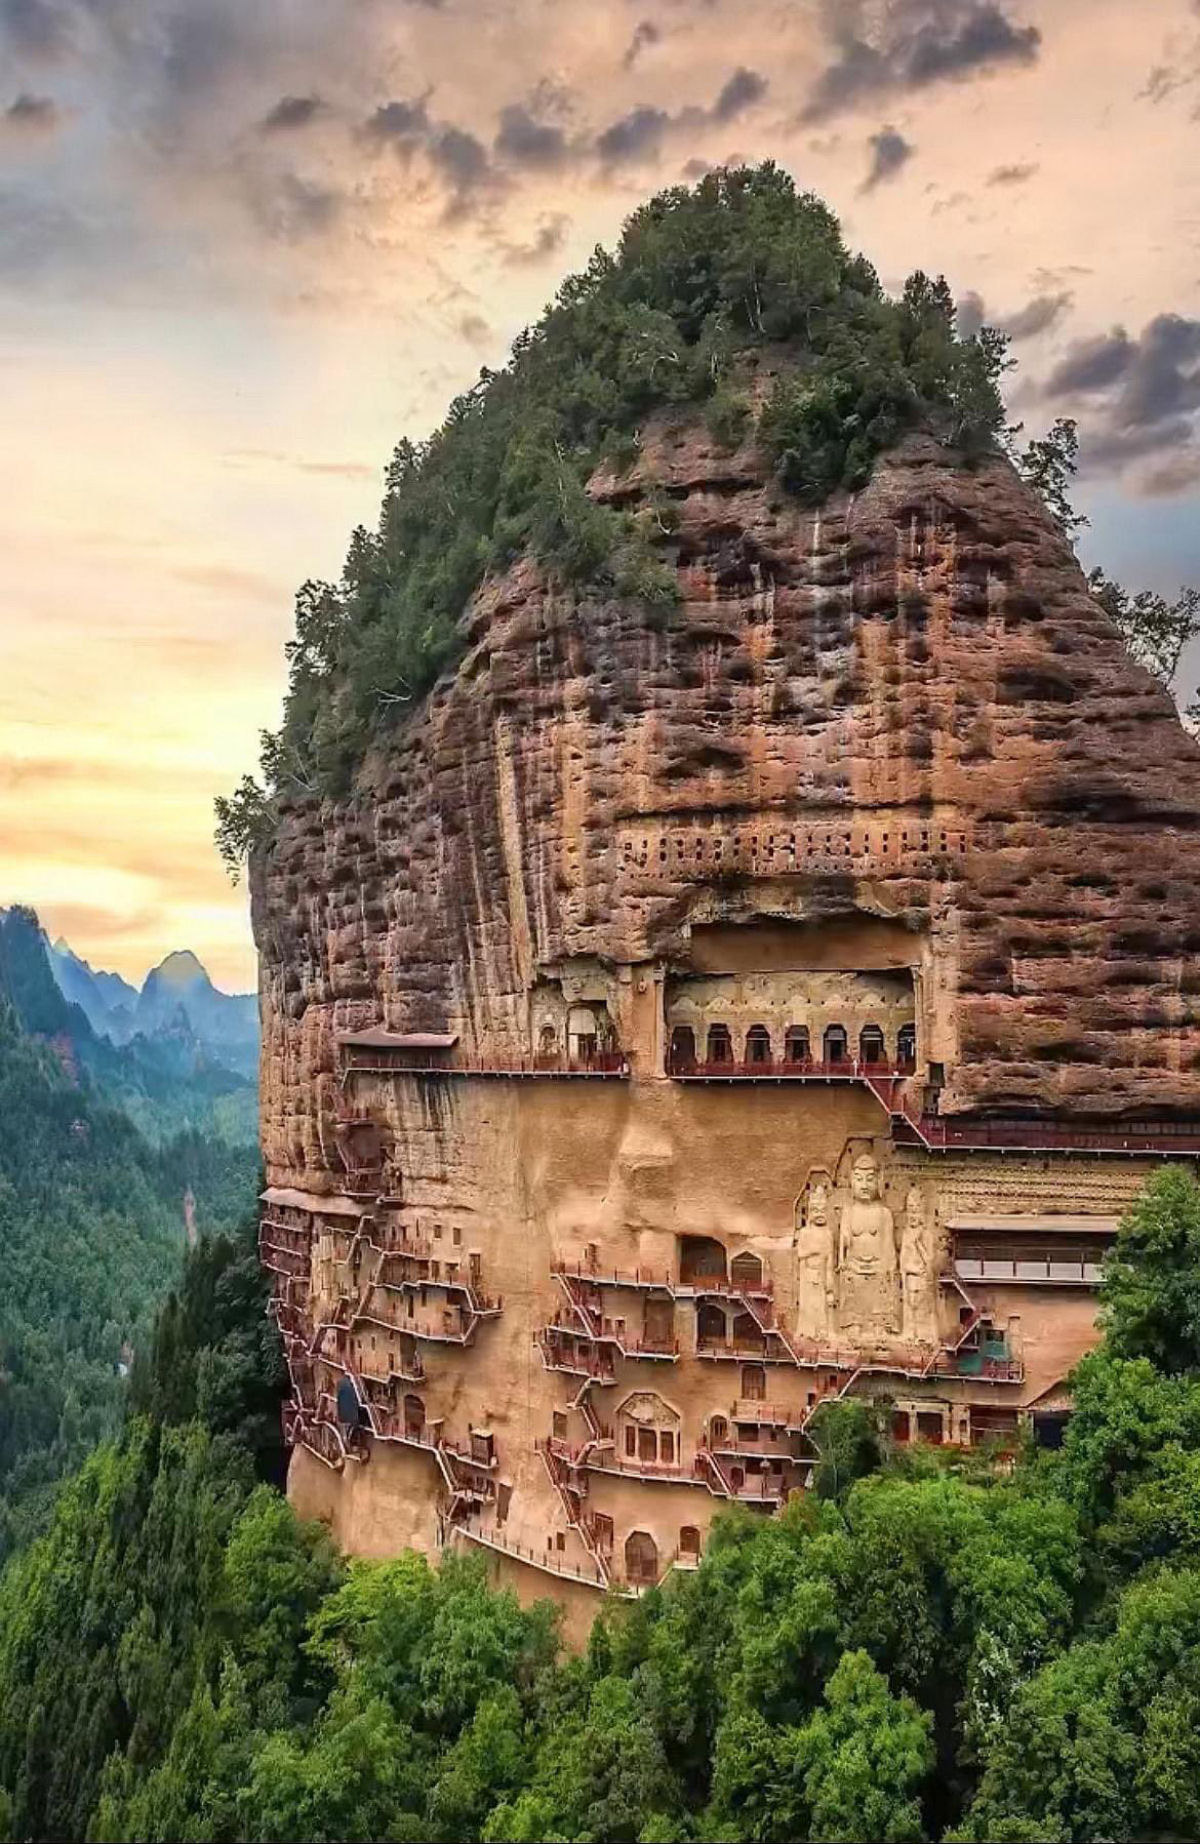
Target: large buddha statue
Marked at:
867, 1255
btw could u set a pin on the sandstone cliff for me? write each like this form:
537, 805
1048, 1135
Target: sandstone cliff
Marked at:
903, 704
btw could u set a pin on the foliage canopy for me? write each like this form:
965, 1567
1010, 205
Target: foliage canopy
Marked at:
701, 278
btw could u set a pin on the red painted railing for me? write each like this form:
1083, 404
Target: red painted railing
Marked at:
610, 1063
799, 1069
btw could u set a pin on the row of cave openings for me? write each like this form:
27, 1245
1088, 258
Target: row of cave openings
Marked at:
872, 1049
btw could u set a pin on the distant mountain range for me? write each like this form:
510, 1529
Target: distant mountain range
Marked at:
177, 1054
178, 992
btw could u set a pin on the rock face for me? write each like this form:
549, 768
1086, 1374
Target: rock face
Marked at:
886, 768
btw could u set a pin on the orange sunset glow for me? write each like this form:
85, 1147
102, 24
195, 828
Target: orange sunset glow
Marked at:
244, 249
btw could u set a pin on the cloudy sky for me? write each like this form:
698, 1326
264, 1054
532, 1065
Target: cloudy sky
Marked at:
247, 244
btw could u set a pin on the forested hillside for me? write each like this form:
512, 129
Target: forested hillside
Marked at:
160, 1073
92, 1232
923, 1647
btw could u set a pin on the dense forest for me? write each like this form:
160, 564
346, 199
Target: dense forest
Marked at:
92, 1233
925, 1646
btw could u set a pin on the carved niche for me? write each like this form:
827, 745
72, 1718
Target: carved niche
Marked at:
867, 1253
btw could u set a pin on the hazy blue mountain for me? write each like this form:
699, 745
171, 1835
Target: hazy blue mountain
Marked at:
108, 1000
189, 1062
177, 1006
226, 1024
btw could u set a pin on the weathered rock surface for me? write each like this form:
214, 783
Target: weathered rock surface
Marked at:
904, 704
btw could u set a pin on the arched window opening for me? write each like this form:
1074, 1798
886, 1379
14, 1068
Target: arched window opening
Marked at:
701, 1258
711, 1328
796, 1046
718, 1430
720, 1044
906, 1046
414, 1417
746, 1271
871, 1046
758, 1044
683, 1047
689, 1540
548, 1041
754, 1383
641, 1559
837, 1044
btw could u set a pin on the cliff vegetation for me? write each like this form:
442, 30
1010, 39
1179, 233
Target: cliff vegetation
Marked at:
701, 280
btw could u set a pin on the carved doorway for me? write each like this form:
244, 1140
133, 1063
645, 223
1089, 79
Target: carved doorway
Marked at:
641, 1559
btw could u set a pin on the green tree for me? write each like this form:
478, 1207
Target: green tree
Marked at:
864, 1758
1150, 1292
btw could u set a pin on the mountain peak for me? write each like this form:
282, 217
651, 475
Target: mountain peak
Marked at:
180, 968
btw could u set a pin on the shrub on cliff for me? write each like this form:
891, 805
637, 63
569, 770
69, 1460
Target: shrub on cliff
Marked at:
699, 278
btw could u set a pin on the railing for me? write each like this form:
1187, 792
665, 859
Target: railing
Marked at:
989, 1370
268, 1220
667, 1472
1022, 1269
482, 1305
687, 1286
752, 1349
289, 1262
786, 1069
497, 1539
761, 1446
767, 1414
605, 1065
753, 1488
1162, 1138
591, 1364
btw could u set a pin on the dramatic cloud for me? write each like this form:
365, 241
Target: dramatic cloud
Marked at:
32, 115
462, 160
741, 92
635, 136
292, 112
889, 152
1091, 365
640, 134
1037, 316
917, 43
645, 33
403, 125
1141, 396
526, 142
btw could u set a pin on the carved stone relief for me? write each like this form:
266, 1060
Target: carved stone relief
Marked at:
868, 1300
919, 1270
815, 1257
868, 1252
